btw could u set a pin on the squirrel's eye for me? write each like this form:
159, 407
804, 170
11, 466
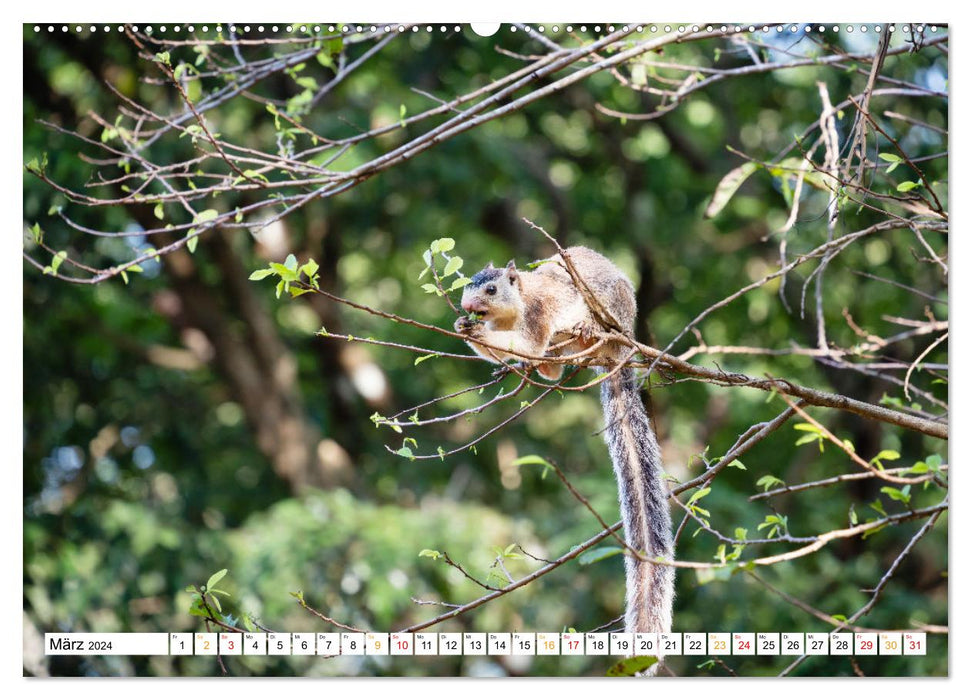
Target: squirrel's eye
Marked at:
491, 289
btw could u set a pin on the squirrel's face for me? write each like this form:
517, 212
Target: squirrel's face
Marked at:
494, 293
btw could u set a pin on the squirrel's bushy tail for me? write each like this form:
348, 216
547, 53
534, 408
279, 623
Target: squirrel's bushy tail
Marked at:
643, 503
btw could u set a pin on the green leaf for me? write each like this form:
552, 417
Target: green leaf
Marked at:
310, 268
216, 578
452, 266
900, 495
890, 157
907, 186
159, 211
768, 481
37, 167
728, 187
380, 420
889, 455
286, 274
406, 452
200, 218
250, 175
810, 438
430, 553
324, 59
193, 130
260, 274
737, 464
459, 283
197, 608
442, 245
533, 459
631, 666
598, 554
60, 257
777, 524
419, 360
204, 216
247, 622
335, 45
698, 495
163, 57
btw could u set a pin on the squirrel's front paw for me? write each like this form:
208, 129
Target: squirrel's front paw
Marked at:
466, 325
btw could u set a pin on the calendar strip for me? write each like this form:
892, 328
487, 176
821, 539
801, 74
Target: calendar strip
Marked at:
487, 644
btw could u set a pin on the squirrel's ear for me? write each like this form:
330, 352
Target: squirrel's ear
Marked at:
511, 272
511, 266
490, 266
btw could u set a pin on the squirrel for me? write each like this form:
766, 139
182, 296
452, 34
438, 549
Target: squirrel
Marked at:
528, 311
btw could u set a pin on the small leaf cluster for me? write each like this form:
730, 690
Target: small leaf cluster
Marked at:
452, 265
294, 279
724, 556
777, 525
508, 552
692, 505
895, 160
205, 600
816, 434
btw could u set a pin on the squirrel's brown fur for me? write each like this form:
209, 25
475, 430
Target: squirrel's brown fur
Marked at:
523, 313
526, 311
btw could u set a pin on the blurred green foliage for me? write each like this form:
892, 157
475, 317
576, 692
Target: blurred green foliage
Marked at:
141, 478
